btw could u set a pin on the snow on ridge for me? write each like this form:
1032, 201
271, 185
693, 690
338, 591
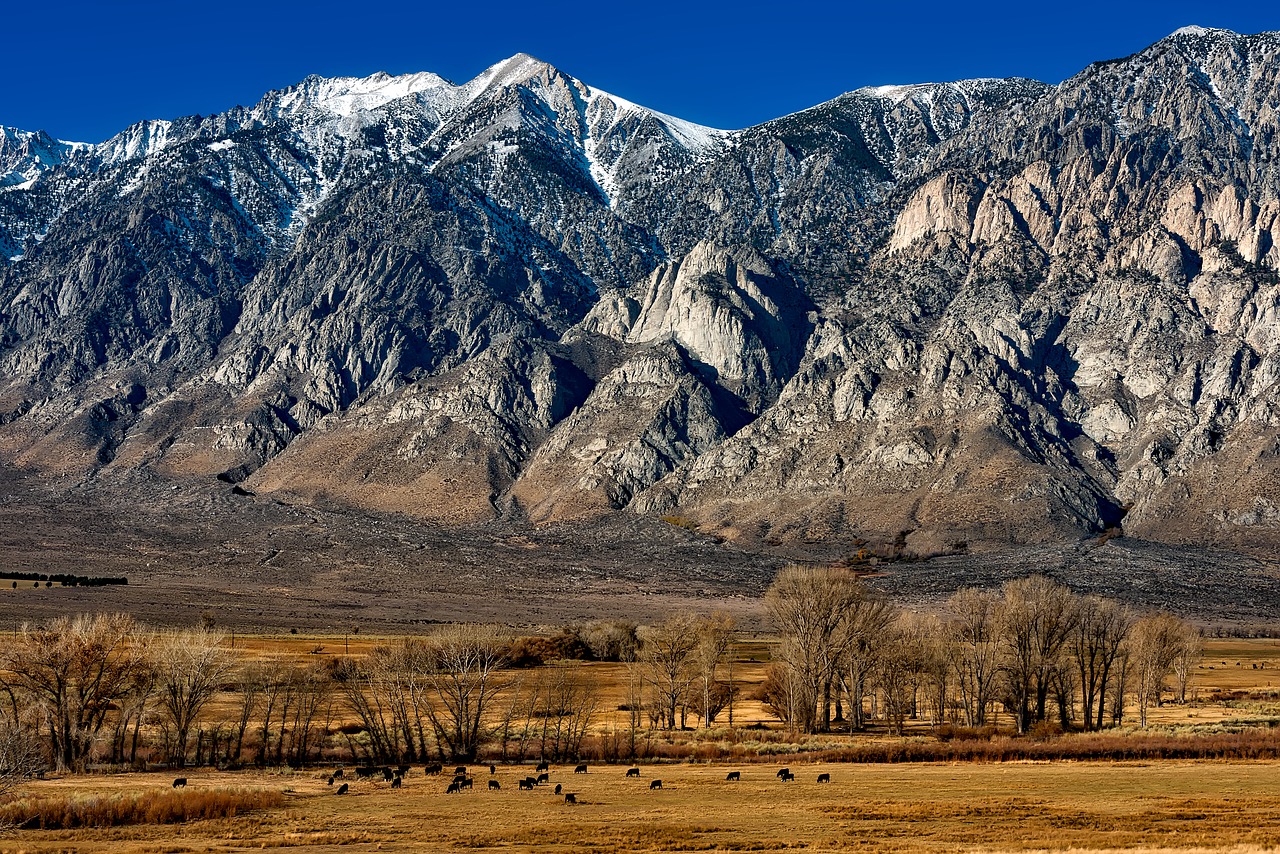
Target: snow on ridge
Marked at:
347, 96
694, 137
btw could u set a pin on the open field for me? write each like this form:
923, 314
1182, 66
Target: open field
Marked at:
266, 564
891, 808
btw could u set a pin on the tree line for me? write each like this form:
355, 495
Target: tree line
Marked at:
104, 688
1034, 649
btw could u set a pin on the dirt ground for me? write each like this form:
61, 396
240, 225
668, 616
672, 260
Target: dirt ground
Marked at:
1232, 806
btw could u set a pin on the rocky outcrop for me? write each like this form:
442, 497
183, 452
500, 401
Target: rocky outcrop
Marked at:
988, 311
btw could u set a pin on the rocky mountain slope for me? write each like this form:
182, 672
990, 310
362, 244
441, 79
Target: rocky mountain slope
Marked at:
980, 313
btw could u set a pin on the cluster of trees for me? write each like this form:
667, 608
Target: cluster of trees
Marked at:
1033, 648
104, 688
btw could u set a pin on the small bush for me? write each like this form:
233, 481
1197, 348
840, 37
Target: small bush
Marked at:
62, 812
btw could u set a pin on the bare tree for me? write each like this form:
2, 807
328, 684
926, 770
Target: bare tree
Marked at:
1190, 648
1095, 645
19, 756
667, 653
815, 610
1153, 646
1037, 617
190, 668
75, 670
714, 634
974, 626
463, 672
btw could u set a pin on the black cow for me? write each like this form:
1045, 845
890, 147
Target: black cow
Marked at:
733, 775
543, 766
527, 783
466, 782
331, 781
461, 769
337, 772
395, 783
788, 777
432, 770
782, 773
544, 778
342, 790
824, 778
180, 783
656, 784
387, 775
402, 770
494, 785
570, 798
581, 769
493, 769
557, 788
633, 772
364, 771
454, 788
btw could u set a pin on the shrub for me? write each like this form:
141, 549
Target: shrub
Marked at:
162, 806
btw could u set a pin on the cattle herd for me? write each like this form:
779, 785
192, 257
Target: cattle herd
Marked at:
463, 780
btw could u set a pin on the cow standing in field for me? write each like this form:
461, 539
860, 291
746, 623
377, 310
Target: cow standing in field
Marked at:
544, 778
528, 783
453, 789
180, 783
570, 798
824, 778
432, 770
783, 772
342, 790
395, 783
543, 766
494, 785
581, 769
557, 788
493, 769
633, 772
733, 775
656, 784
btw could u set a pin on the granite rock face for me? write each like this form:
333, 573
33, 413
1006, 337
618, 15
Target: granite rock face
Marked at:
979, 312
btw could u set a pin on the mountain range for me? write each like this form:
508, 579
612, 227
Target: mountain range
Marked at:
925, 318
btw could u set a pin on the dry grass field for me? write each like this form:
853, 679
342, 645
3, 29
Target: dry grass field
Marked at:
1233, 806
912, 807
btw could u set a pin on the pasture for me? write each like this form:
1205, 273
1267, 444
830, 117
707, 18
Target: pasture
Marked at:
1231, 806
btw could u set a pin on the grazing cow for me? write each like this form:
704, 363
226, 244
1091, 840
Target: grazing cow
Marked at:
432, 770
544, 778
557, 788
338, 771
788, 777
494, 785
466, 782
633, 772
493, 769
824, 778
581, 769
395, 783
454, 788
543, 766
458, 778
656, 784
330, 781
461, 769
570, 798
387, 775
527, 783
402, 770
342, 790
782, 774
733, 775
364, 771
180, 783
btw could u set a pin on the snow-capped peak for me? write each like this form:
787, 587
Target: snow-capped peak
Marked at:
1191, 30
346, 96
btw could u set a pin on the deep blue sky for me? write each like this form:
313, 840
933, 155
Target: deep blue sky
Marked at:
84, 71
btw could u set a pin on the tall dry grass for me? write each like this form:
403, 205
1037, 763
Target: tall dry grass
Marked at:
61, 812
